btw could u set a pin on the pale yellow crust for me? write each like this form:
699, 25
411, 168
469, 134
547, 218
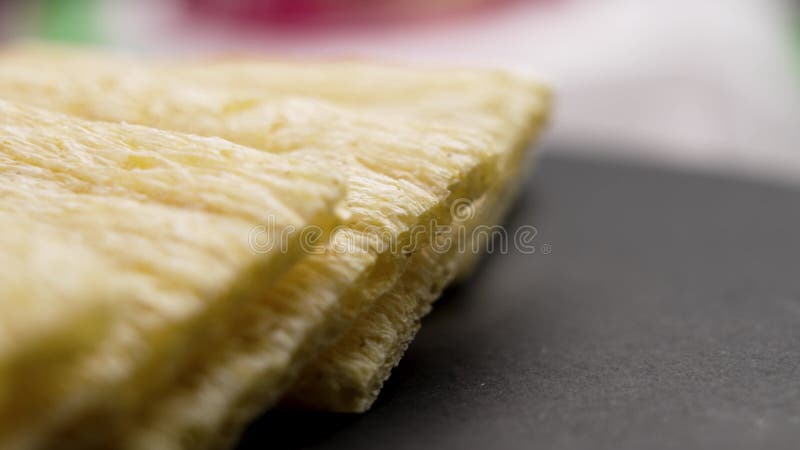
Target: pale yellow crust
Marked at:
408, 145
149, 224
347, 377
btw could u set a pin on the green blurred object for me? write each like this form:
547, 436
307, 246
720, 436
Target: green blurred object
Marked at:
69, 20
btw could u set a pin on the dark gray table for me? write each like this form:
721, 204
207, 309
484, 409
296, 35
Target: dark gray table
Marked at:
667, 315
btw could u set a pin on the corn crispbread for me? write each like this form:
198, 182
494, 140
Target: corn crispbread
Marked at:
399, 173
485, 114
348, 376
149, 224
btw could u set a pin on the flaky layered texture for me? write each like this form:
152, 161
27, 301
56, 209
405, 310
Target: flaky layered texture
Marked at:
512, 116
401, 171
140, 229
348, 376
509, 110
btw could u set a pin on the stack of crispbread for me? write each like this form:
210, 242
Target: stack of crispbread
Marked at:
187, 243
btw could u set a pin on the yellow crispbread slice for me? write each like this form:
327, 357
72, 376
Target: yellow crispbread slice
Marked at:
484, 112
527, 100
509, 109
47, 317
348, 376
212, 407
403, 170
158, 226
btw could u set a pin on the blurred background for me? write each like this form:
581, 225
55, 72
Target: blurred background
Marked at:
712, 84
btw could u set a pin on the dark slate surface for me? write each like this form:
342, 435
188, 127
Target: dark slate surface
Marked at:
667, 315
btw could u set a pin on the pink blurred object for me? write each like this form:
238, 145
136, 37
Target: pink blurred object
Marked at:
317, 12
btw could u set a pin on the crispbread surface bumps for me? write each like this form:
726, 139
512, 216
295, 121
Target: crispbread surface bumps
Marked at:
409, 144
144, 228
